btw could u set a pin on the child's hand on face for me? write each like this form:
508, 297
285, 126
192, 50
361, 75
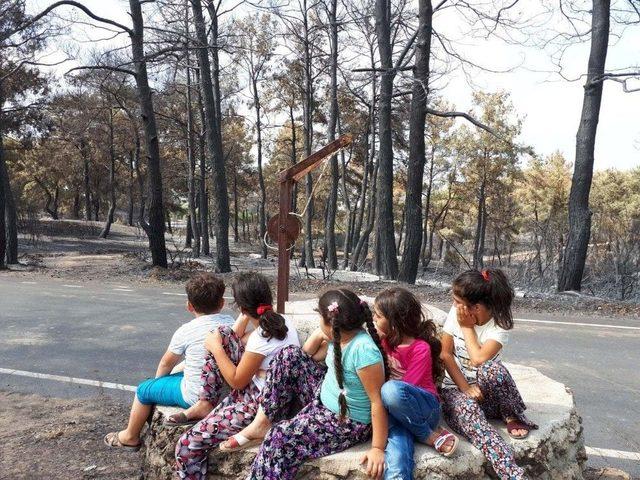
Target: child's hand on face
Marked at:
466, 318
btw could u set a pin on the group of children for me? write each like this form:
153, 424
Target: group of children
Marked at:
379, 373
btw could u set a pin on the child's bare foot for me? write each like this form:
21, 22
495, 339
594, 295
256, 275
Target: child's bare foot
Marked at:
193, 414
443, 441
251, 435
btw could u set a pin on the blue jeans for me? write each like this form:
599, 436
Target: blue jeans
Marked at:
414, 413
162, 391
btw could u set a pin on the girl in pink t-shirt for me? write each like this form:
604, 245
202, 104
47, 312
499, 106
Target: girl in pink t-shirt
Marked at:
411, 397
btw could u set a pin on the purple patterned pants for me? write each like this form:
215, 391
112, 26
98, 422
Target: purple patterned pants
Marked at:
313, 433
469, 417
230, 416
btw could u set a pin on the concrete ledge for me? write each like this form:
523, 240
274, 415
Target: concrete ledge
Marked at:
554, 452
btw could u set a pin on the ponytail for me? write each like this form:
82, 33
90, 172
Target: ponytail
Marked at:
490, 287
273, 325
252, 293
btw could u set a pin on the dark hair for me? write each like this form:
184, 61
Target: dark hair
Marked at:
351, 314
490, 287
404, 313
205, 292
250, 291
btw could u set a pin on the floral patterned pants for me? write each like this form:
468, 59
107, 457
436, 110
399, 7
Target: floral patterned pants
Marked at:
230, 416
313, 433
469, 417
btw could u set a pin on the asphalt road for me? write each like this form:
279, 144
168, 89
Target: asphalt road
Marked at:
117, 333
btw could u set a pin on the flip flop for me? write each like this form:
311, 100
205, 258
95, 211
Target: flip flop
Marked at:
442, 439
178, 419
239, 442
112, 440
513, 425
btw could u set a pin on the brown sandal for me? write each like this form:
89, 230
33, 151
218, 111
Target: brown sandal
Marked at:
178, 419
112, 440
513, 425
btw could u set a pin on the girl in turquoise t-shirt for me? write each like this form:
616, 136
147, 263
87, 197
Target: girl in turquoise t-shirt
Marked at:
343, 402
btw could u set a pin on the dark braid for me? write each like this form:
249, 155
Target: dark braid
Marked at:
349, 315
376, 338
337, 358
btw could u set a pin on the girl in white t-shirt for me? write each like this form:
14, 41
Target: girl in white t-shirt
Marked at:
477, 385
242, 367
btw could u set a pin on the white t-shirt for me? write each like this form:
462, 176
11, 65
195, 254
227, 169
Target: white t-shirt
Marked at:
488, 331
188, 340
269, 347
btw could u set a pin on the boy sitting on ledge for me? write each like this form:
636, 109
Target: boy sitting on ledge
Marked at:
204, 300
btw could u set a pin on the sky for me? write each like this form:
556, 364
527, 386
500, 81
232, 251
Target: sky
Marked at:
549, 105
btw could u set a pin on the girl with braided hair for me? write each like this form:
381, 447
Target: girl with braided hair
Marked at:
478, 386
343, 405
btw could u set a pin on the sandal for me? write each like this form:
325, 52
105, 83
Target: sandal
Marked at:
441, 441
238, 442
112, 440
178, 419
513, 425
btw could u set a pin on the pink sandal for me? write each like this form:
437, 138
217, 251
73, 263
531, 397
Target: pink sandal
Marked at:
441, 441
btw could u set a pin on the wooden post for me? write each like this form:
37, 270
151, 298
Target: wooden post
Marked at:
288, 178
286, 188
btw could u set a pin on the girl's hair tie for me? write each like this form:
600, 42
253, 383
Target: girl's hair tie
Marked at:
343, 391
363, 303
333, 308
263, 308
485, 275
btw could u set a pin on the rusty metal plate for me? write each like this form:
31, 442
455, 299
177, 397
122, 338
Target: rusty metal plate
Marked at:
292, 228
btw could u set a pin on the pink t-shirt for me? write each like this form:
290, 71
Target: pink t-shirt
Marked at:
412, 364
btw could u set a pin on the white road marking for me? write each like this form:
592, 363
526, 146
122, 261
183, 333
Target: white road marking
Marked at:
601, 452
605, 452
176, 294
599, 325
30, 283
122, 290
61, 378
73, 286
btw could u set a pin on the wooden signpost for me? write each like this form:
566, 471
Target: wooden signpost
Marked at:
286, 226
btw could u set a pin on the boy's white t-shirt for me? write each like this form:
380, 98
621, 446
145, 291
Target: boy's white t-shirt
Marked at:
488, 331
269, 347
188, 340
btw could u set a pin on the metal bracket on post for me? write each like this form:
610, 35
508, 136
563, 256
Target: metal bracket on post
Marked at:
288, 178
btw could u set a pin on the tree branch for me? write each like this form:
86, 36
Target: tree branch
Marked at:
467, 117
103, 67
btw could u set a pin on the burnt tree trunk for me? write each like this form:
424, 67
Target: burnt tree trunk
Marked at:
112, 180
214, 141
203, 207
131, 190
417, 122
386, 259
191, 157
330, 253
575, 253
3, 231
86, 180
263, 192
155, 228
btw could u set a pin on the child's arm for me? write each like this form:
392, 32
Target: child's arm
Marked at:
240, 325
237, 377
167, 362
478, 354
316, 345
372, 378
452, 368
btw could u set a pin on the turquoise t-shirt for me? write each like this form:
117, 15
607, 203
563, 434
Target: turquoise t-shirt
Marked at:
359, 353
